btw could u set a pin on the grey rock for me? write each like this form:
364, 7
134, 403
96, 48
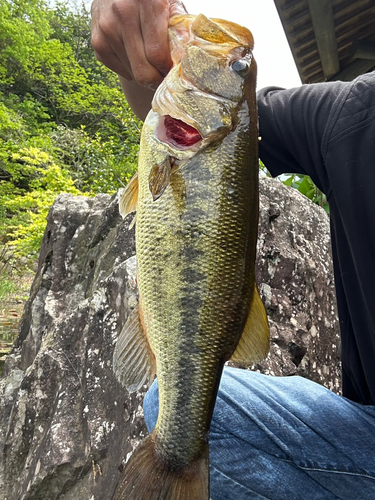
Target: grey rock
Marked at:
295, 280
66, 424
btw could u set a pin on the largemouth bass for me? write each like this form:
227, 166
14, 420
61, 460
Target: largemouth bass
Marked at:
196, 196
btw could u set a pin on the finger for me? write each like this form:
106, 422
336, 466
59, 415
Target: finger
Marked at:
154, 17
143, 71
119, 52
107, 42
106, 55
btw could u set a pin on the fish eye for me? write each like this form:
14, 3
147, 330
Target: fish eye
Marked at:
241, 67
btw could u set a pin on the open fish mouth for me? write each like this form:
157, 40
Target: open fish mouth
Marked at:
189, 118
178, 134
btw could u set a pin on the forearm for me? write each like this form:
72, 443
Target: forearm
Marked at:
138, 97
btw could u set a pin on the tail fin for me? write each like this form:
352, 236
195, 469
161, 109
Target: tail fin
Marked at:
148, 477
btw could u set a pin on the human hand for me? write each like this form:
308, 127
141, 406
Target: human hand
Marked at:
131, 37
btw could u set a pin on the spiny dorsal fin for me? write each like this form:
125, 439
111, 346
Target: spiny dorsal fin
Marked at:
133, 361
255, 341
129, 198
160, 177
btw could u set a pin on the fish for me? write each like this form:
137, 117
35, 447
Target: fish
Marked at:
196, 200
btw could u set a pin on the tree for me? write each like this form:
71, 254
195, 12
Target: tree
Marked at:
64, 122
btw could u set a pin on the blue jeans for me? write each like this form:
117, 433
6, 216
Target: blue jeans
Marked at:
285, 438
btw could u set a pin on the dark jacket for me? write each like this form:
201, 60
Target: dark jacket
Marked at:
327, 131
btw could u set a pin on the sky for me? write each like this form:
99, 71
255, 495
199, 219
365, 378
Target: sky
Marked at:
271, 49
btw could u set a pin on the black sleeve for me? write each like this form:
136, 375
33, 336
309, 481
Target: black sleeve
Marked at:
295, 125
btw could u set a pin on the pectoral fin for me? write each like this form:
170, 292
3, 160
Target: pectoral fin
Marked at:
255, 341
160, 177
133, 361
129, 198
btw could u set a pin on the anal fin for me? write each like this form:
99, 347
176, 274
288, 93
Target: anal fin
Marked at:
254, 343
133, 360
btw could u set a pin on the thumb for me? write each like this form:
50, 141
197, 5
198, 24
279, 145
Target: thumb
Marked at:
176, 7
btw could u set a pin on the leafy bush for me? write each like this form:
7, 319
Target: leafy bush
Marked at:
305, 185
97, 164
65, 125
34, 180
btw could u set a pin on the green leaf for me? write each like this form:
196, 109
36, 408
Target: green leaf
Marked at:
289, 181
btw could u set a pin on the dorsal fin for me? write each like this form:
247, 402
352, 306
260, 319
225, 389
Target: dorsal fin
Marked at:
255, 341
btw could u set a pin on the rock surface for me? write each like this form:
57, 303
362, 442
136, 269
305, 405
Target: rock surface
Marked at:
66, 425
295, 280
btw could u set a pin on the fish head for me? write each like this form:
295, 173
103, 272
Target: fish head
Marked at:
214, 55
214, 72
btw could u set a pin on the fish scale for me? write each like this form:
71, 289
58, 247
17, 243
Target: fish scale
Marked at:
196, 231
213, 256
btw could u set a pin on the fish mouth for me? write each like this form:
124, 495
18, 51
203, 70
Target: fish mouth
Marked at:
178, 134
189, 118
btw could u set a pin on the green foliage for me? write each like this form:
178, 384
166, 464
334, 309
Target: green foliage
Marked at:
6, 286
305, 186
97, 164
65, 125
33, 182
263, 169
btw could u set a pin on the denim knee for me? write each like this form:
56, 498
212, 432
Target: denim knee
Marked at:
151, 406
